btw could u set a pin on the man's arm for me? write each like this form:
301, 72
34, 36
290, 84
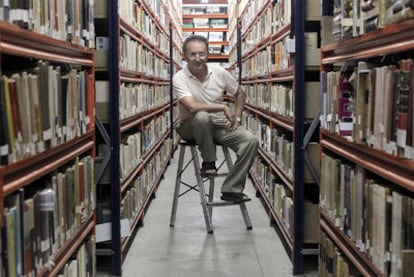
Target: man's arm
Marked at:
240, 99
194, 106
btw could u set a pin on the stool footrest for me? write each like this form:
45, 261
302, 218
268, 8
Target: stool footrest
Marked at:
216, 175
225, 203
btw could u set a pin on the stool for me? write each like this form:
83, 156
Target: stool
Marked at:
207, 201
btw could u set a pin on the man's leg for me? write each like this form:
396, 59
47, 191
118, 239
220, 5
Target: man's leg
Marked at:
245, 145
200, 129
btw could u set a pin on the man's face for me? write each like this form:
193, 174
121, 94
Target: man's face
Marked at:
196, 55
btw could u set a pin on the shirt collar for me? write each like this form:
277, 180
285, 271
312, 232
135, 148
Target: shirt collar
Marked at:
190, 75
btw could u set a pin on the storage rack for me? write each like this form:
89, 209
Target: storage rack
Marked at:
396, 173
301, 128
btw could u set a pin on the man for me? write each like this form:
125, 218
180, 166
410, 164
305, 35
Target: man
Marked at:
206, 119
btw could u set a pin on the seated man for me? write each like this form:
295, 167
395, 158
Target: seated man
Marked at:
206, 119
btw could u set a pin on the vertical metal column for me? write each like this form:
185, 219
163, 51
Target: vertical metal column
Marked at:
171, 83
239, 52
115, 136
299, 29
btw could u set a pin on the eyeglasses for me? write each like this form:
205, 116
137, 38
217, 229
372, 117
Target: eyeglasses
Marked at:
201, 55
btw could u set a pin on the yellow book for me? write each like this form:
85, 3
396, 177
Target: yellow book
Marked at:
11, 253
9, 114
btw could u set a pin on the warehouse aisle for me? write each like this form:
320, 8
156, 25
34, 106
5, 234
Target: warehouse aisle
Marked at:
188, 250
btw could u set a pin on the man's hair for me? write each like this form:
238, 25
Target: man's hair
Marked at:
194, 38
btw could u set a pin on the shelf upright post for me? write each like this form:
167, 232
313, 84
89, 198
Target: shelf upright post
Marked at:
115, 137
299, 29
171, 82
239, 50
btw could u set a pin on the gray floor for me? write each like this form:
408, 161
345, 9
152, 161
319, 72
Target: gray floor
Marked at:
188, 250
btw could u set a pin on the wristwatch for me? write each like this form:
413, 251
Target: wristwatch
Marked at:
238, 119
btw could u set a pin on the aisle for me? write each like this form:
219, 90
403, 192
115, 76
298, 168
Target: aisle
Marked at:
188, 250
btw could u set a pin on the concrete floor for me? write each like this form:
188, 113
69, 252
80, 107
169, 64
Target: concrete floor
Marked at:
188, 250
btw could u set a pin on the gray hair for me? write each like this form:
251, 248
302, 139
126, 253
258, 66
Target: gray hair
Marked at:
194, 38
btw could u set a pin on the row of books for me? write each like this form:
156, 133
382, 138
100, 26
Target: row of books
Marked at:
375, 217
137, 98
272, 58
137, 191
279, 197
42, 107
269, 21
135, 146
372, 105
162, 11
83, 261
205, 9
279, 98
40, 221
175, 12
353, 18
331, 261
136, 57
276, 142
212, 35
71, 21
136, 15
262, 28
205, 22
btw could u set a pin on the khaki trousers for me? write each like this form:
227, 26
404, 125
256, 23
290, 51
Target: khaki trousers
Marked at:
206, 132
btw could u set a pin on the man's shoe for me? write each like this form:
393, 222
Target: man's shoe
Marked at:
208, 169
234, 197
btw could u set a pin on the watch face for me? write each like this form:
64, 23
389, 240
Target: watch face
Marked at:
238, 119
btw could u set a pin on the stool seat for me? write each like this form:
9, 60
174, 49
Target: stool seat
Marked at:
207, 200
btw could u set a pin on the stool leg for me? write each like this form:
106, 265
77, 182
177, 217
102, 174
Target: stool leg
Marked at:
246, 217
211, 197
242, 205
177, 185
201, 189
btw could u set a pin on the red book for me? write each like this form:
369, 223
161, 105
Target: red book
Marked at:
14, 107
403, 103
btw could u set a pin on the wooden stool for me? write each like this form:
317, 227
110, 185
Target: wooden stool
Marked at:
207, 200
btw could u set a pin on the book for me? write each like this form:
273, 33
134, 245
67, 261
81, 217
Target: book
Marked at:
70, 200
45, 94
407, 262
13, 214
22, 84
9, 114
46, 207
403, 128
344, 108
34, 108
29, 237
4, 127
396, 232
62, 206
15, 114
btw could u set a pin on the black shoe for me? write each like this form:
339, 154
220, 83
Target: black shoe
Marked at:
208, 169
234, 197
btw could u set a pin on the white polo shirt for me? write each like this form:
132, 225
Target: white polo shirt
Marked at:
211, 90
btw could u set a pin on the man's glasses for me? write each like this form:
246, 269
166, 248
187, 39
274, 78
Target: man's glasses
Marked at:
201, 55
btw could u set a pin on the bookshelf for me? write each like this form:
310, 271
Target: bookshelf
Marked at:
278, 42
135, 141
364, 211
47, 191
210, 20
